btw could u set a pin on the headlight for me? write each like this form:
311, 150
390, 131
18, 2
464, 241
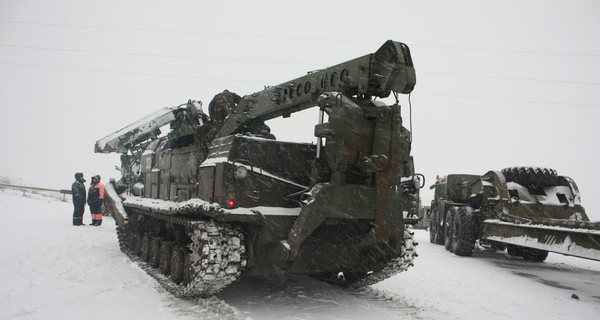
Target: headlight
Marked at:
241, 172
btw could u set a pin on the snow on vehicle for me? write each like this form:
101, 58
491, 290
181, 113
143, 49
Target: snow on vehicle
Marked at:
219, 198
529, 211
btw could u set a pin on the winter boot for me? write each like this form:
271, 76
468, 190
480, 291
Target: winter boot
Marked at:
94, 221
98, 222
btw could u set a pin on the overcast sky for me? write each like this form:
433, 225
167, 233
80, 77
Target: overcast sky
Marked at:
499, 84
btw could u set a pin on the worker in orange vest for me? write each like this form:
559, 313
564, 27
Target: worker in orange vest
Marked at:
95, 200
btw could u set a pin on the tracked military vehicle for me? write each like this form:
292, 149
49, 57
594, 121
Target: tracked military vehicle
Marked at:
528, 211
218, 198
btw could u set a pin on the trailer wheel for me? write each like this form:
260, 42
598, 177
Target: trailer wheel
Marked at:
497, 246
534, 255
463, 232
514, 251
448, 229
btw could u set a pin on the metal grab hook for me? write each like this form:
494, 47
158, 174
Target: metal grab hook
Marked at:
338, 100
320, 139
396, 96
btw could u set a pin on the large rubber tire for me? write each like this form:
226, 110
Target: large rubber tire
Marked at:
436, 232
433, 228
532, 178
514, 251
448, 229
439, 229
463, 231
498, 246
534, 255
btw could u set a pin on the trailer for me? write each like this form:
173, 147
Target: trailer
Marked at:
528, 211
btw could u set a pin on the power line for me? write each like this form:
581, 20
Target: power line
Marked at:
288, 37
154, 55
262, 82
125, 72
513, 51
507, 99
279, 62
247, 35
508, 78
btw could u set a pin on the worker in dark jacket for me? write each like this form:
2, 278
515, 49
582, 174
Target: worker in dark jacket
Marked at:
78, 191
95, 200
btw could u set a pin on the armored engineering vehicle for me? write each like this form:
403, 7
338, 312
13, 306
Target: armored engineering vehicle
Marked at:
218, 198
528, 211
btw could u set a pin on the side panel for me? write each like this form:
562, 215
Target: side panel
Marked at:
183, 193
165, 185
151, 189
219, 196
206, 180
173, 193
164, 160
184, 164
147, 162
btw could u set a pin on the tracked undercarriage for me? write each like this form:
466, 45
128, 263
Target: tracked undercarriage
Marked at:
219, 198
188, 257
391, 268
191, 257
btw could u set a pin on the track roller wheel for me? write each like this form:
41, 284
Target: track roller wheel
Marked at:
137, 244
165, 257
188, 270
177, 265
145, 247
122, 237
154, 252
130, 243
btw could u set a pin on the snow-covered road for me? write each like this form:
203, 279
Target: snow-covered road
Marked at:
52, 270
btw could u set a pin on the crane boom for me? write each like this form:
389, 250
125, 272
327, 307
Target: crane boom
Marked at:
390, 68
